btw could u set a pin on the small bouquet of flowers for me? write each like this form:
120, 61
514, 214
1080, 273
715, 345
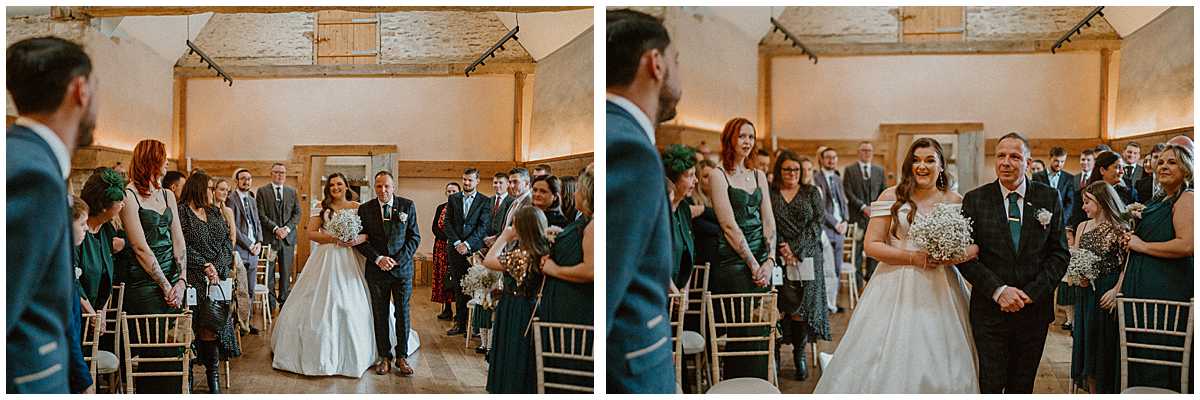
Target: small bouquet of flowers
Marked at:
478, 284
1082, 265
344, 225
944, 233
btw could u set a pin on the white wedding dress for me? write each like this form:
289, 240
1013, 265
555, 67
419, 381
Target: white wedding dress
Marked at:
325, 327
910, 332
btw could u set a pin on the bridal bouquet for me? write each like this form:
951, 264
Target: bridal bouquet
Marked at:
1082, 265
944, 233
478, 284
344, 225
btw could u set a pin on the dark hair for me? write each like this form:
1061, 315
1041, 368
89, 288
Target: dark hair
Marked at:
544, 168
171, 177
676, 160
555, 187
327, 200
1018, 136
79, 208
530, 225
1110, 202
500, 175
377, 174
631, 34
1100, 148
567, 198
40, 70
1039, 161
455, 184
148, 157
241, 170
278, 164
1158, 148
908, 183
101, 190
777, 171
729, 136
1133, 145
471, 171
821, 154
763, 152
1057, 152
195, 190
1088, 152
1106, 159
519, 171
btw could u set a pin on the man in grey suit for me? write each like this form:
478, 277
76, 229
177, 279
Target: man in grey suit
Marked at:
279, 211
249, 232
863, 183
837, 219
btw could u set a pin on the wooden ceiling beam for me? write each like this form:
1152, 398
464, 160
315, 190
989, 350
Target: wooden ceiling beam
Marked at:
351, 70
123, 11
963, 47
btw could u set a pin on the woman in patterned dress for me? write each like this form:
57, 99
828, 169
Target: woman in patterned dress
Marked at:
441, 292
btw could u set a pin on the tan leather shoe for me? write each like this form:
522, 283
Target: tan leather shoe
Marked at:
403, 367
381, 367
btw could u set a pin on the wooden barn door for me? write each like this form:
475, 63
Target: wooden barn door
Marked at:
345, 37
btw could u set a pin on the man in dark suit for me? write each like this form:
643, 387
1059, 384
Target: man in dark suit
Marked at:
55, 95
863, 183
249, 232
643, 89
1145, 185
500, 205
390, 223
468, 219
279, 212
1017, 225
1131, 159
837, 217
1056, 177
1087, 159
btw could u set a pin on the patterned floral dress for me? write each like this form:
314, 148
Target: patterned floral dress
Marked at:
440, 293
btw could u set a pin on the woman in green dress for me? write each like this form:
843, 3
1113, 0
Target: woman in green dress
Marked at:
1160, 258
745, 256
517, 253
569, 275
679, 164
103, 192
1094, 358
155, 282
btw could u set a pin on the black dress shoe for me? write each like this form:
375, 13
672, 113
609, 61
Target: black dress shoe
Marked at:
1066, 326
481, 350
840, 310
253, 331
456, 331
445, 316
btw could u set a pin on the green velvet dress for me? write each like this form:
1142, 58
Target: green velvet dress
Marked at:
142, 295
96, 260
683, 245
568, 302
511, 365
1148, 277
732, 275
1095, 342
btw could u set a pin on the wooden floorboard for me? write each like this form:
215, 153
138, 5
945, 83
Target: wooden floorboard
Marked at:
442, 365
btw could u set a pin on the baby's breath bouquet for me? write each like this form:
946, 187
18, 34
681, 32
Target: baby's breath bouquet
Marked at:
944, 233
478, 284
1082, 265
344, 225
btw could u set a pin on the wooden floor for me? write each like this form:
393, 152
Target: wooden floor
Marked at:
442, 365
1054, 372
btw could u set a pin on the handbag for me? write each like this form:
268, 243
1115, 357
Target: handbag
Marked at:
213, 314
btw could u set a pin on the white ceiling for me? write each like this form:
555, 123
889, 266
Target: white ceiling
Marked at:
543, 33
1127, 20
166, 35
753, 21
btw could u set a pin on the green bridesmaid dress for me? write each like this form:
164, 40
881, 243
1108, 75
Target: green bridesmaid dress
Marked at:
511, 365
568, 302
96, 260
732, 275
142, 295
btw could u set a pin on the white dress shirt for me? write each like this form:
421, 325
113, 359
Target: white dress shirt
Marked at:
382, 214
1020, 206
636, 112
242, 196
56, 145
467, 200
837, 207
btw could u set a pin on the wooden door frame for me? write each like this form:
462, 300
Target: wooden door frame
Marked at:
890, 133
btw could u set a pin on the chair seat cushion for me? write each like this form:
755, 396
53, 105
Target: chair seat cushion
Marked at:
106, 362
693, 343
1148, 390
743, 386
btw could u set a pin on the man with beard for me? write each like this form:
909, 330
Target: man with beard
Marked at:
55, 95
641, 85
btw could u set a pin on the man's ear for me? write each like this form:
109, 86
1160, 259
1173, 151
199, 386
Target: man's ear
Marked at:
655, 60
79, 91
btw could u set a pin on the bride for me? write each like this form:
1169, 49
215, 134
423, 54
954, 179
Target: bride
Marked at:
325, 327
910, 333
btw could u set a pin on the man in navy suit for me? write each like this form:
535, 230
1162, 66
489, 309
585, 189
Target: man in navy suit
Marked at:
468, 221
52, 88
643, 88
249, 232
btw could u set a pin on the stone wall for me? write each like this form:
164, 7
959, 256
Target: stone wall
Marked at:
257, 39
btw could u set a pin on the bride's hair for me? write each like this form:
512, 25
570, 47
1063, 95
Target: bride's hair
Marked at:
908, 182
327, 201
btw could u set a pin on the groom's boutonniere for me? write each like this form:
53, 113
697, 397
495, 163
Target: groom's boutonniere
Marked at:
403, 216
1043, 217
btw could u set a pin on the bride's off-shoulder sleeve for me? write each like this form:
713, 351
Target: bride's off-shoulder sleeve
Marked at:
881, 208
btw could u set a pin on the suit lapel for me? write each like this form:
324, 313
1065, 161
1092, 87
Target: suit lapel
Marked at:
1029, 222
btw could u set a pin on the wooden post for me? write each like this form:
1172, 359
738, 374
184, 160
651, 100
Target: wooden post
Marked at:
1105, 58
179, 117
518, 111
764, 101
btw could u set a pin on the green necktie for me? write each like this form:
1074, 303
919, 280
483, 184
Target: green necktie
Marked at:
1014, 218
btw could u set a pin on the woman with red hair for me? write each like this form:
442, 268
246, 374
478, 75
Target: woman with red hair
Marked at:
154, 281
745, 256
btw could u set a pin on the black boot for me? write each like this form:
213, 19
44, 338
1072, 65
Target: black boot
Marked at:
799, 356
212, 366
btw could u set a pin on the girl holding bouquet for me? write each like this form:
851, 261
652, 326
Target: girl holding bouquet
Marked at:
910, 333
1094, 352
511, 364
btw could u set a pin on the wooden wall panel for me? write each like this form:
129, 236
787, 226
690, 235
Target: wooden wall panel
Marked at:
565, 165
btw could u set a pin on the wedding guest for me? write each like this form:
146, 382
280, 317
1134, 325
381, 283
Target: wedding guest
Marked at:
836, 214
249, 234
798, 215
120, 169
51, 85
209, 263
519, 191
511, 367
680, 168
1039, 166
1109, 169
705, 227
279, 212
762, 161
746, 256
1087, 160
642, 89
242, 296
155, 281
569, 186
440, 292
80, 374
1145, 185
467, 220
1129, 164
173, 181
569, 273
863, 182
221, 188
103, 192
546, 190
1184, 141
1161, 257
541, 170
1094, 357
